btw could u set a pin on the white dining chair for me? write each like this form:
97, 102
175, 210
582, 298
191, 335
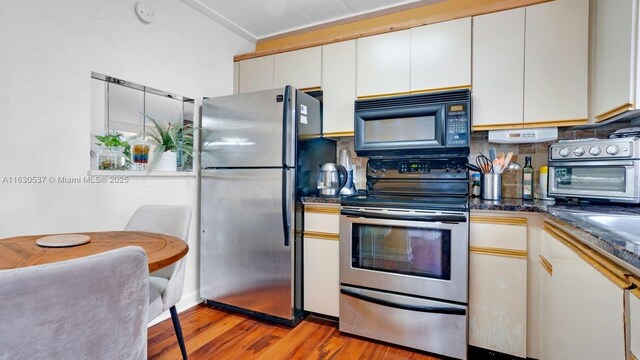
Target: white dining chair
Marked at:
93, 307
165, 285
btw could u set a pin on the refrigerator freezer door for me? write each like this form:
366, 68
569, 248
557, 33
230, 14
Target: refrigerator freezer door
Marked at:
244, 130
244, 260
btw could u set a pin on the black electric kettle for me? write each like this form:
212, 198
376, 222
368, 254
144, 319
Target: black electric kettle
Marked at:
331, 178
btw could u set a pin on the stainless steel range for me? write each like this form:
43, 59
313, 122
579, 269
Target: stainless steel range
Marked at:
404, 254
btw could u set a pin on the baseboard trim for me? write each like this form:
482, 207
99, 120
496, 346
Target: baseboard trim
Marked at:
188, 301
477, 353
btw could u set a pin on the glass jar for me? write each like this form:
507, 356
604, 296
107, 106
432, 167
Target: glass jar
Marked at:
107, 159
140, 153
121, 160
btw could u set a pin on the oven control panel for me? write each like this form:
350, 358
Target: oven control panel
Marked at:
417, 168
594, 149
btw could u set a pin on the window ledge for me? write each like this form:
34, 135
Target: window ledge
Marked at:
133, 173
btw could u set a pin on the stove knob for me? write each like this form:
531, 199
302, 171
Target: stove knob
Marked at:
578, 151
612, 149
447, 168
459, 169
594, 150
564, 152
383, 169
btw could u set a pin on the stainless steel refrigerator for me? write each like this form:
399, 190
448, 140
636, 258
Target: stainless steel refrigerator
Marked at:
260, 153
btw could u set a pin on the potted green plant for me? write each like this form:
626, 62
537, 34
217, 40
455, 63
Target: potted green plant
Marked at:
116, 143
174, 145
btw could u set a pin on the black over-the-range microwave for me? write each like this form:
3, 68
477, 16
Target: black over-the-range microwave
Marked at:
422, 124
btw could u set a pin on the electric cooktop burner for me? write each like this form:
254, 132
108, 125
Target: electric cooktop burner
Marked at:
451, 203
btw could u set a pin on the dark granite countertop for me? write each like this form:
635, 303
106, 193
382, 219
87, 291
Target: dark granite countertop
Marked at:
321, 200
574, 219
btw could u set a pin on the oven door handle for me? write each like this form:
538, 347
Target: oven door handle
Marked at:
431, 218
428, 309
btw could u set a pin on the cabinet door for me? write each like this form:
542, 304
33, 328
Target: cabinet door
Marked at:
613, 56
585, 310
300, 68
256, 74
634, 320
384, 64
556, 55
321, 282
498, 285
498, 69
441, 55
339, 87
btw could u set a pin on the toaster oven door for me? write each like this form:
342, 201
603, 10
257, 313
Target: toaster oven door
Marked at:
616, 181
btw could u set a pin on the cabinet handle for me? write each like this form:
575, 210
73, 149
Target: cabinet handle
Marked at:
546, 265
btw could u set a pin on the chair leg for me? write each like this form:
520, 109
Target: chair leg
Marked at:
178, 330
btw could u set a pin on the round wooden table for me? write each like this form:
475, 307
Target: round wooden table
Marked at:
22, 251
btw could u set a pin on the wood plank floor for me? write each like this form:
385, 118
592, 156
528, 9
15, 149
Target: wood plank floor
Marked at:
211, 333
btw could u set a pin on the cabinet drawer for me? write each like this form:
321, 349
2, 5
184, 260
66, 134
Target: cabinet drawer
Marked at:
321, 219
499, 232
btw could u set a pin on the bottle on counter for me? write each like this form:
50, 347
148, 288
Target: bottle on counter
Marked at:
527, 179
475, 187
542, 183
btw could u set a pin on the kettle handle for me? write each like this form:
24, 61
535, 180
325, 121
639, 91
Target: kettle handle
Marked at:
343, 174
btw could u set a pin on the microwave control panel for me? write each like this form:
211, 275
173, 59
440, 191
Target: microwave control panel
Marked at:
457, 125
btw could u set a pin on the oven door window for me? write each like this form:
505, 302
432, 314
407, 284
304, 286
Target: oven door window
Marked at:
609, 179
402, 250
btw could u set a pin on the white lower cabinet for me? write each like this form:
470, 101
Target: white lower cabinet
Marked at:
634, 323
321, 283
582, 310
498, 284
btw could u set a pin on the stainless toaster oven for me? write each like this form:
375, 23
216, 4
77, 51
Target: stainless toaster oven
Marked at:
596, 169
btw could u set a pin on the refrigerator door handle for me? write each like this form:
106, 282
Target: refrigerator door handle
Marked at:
285, 126
286, 222
289, 127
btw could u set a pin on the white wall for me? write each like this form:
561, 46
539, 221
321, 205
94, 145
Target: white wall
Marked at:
47, 52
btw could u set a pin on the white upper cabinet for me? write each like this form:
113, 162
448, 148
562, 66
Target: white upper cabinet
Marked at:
301, 68
530, 66
256, 74
498, 68
339, 87
383, 64
441, 55
614, 58
556, 56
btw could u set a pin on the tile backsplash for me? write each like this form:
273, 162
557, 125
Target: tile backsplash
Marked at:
511, 179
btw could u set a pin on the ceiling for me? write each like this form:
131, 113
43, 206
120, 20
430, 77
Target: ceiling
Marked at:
259, 19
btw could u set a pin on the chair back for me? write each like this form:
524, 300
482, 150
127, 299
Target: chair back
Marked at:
93, 307
171, 220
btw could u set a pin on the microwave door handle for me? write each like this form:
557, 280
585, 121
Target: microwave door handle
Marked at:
429, 218
428, 309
